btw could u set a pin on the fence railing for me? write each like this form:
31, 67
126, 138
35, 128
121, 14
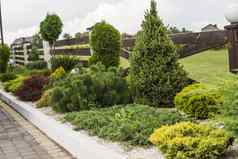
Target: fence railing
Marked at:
190, 44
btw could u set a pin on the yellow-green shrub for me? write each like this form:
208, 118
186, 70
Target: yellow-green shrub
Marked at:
13, 85
198, 101
45, 99
59, 73
187, 140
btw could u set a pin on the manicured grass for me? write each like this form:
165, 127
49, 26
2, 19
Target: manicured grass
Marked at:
209, 67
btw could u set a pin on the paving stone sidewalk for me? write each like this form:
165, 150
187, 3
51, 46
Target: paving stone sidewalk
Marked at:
19, 141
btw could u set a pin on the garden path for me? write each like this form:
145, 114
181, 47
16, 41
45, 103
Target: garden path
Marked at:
20, 140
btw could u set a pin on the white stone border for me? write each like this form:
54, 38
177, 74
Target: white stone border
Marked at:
79, 145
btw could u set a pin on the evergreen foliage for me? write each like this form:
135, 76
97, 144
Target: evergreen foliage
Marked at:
156, 75
105, 41
51, 28
4, 58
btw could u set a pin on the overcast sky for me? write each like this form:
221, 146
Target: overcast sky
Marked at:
22, 17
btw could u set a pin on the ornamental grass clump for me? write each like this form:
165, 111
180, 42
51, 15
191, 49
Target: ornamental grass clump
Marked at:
187, 140
199, 101
67, 62
13, 85
45, 99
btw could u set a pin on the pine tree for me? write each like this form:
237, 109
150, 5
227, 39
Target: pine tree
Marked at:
156, 75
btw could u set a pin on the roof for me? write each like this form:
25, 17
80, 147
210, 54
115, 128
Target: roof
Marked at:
23, 40
209, 26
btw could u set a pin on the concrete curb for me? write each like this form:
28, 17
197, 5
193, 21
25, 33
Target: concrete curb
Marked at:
78, 144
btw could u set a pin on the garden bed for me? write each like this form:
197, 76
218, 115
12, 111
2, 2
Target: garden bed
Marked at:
78, 143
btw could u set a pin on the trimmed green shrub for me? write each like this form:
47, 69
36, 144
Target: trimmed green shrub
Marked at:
93, 87
105, 41
32, 88
67, 62
131, 124
45, 99
198, 101
156, 75
13, 85
7, 77
50, 29
191, 141
4, 58
37, 65
34, 55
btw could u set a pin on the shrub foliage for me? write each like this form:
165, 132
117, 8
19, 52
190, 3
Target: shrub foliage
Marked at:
37, 65
58, 74
13, 85
188, 140
32, 88
45, 100
156, 75
51, 28
93, 87
67, 62
4, 58
131, 124
105, 41
5, 77
198, 101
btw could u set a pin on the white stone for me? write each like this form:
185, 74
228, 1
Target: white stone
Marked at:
231, 13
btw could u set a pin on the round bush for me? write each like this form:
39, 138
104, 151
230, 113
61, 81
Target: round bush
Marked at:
32, 88
105, 42
187, 140
198, 101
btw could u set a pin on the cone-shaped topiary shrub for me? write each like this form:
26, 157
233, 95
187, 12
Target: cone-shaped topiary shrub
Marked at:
156, 75
105, 41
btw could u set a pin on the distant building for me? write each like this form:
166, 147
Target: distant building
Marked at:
210, 27
23, 40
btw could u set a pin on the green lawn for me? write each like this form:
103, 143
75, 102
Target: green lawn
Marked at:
209, 67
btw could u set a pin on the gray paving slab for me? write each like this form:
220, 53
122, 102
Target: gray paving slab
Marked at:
17, 143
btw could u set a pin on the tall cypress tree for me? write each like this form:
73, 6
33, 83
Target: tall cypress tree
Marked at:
156, 75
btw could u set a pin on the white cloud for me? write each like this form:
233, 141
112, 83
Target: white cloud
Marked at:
22, 18
125, 15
